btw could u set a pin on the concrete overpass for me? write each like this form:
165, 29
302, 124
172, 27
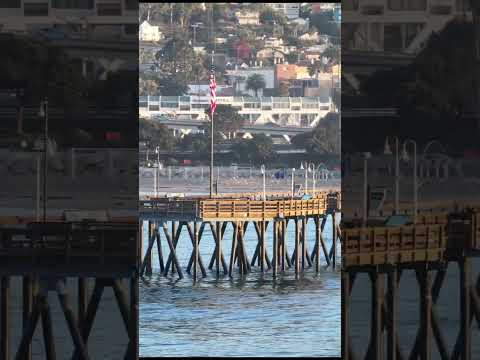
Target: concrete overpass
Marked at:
184, 127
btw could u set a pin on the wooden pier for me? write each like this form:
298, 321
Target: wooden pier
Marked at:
428, 248
44, 256
167, 218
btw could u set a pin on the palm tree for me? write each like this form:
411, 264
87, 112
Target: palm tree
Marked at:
256, 82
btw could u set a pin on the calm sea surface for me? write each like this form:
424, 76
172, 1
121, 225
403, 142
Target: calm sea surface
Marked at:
250, 316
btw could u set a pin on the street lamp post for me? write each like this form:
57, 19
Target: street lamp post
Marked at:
387, 151
44, 113
293, 181
311, 168
262, 169
157, 170
415, 186
304, 166
365, 186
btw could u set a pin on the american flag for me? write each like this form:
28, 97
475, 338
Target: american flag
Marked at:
213, 92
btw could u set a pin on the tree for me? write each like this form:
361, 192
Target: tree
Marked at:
257, 150
256, 82
332, 52
156, 134
325, 25
177, 59
283, 88
197, 143
269, 15
225, 119
324, 139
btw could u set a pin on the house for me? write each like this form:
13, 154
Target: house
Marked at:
149, 32
288, 72
314, 52
290, 10
248, 17
238, 78
287, 49
300, 26
220, 40
273, 42
309, 37
271, 54
321, 7
200, 50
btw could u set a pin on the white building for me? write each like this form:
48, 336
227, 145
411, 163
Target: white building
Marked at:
290, 10
149, 32
283, 111
248, 17
274, 42
239, 79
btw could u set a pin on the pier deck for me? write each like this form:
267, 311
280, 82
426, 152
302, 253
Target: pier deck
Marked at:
170, 215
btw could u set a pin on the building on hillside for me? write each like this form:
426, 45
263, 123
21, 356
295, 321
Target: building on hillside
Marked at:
321, 7
312, 36
200, 50
289, 72
290, 10
238, 78
314, 52
273, 42
248, 17
300, 26
272, 55
149, 32
220, 40
203, 89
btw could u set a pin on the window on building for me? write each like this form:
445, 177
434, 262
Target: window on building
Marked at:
11, 4
109, 9
35, 9
72, 4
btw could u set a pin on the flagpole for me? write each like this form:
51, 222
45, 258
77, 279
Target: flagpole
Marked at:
211, 145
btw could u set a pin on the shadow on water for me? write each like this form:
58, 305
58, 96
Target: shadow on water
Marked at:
250, 315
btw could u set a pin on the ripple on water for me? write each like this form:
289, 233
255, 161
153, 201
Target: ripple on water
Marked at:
240, 317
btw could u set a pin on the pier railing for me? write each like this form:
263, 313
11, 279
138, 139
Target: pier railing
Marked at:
392, 245
433, 237
239, 208
254, 209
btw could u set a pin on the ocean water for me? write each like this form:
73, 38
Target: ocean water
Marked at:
250, 316
408, 314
